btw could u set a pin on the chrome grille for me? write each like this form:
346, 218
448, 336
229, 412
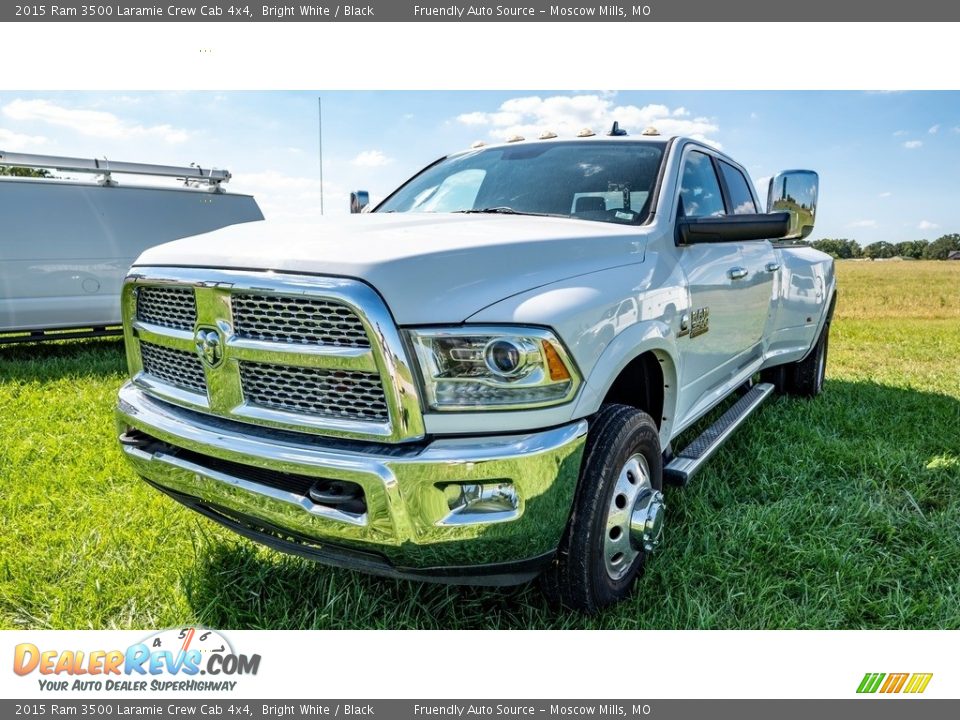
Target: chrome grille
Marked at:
347, 394
306, 353
173, 307
174, 367
299, 320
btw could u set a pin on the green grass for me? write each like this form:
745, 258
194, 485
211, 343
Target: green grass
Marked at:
842, 512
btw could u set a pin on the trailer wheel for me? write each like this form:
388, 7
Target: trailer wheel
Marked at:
618, 513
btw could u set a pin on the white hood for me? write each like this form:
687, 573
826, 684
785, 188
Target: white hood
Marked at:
430, 268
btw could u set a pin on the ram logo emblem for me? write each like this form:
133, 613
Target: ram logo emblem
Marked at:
209, 344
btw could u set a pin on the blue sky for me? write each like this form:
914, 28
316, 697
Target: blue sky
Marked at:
888, 162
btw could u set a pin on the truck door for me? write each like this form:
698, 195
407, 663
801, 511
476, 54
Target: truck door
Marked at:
758, 259
729, 287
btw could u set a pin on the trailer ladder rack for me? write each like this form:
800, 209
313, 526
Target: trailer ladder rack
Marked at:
106, 168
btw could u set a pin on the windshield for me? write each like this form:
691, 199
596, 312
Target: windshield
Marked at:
589, 180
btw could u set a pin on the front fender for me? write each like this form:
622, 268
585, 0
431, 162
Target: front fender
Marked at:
653, 336
606, 319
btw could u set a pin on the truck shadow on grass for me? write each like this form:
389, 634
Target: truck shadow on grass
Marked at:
40, 362
836, 513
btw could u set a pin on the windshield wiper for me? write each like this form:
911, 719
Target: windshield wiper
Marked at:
503, 210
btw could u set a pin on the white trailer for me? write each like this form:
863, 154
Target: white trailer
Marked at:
66, 244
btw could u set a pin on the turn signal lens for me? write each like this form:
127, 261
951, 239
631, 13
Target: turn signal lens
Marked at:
558, 371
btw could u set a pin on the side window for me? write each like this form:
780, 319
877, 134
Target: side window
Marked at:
699, 188
740, 195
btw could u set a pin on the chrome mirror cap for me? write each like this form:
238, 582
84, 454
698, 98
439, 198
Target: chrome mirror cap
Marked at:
359, 200
795, 192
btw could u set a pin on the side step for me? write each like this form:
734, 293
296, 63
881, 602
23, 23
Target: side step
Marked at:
684, 465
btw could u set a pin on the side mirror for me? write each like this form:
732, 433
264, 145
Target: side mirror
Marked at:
795, 192
359, 200
732, 228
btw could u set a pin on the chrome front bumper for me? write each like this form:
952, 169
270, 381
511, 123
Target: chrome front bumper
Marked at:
223, 469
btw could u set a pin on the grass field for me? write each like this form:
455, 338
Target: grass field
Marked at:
843, 512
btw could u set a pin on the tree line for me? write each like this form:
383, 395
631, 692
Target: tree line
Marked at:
843, 248
24, 172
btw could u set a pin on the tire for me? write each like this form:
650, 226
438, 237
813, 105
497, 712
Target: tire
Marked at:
803, 378
623, 443
810, 372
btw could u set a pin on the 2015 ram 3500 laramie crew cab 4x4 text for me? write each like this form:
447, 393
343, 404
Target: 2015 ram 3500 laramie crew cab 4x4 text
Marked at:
478, 381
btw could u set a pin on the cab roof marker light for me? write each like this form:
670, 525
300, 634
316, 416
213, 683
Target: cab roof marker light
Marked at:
650, 131
548, 135
516, 138
478, 144
586, 132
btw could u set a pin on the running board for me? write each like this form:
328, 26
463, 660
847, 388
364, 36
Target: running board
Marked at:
685, 464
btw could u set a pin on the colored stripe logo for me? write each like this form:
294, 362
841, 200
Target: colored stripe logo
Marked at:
913, 683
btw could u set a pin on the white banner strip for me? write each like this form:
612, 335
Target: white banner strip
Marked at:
504, 664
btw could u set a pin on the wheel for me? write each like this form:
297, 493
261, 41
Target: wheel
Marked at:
803, 378
618, 513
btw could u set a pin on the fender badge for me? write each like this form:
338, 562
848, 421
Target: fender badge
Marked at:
700, 322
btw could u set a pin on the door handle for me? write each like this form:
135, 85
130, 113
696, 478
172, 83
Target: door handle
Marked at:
735, 273
773, 266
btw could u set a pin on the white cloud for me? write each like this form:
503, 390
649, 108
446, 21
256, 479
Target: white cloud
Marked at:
93, 123
754, 116
934, 129
927, 225
900, 133
10, 140
473, 118
863, 224
885, 194
913, 144
290, 198
567, 114
371, 158
763, 187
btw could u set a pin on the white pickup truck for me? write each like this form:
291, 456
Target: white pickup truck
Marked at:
479, 380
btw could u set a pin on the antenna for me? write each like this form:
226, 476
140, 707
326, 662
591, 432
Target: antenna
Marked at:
320, 146
616, 130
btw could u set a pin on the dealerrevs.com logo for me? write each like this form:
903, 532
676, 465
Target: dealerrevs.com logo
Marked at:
893, 683
182, 659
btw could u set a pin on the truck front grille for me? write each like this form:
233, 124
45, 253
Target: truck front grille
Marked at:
172, 307
298, 320
175, 367
347, 394
303, 353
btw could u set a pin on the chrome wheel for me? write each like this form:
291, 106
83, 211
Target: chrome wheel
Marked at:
634, 518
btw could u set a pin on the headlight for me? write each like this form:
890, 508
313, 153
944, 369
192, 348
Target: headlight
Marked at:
473, 368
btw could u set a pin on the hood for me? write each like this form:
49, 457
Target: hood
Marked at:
430, 268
